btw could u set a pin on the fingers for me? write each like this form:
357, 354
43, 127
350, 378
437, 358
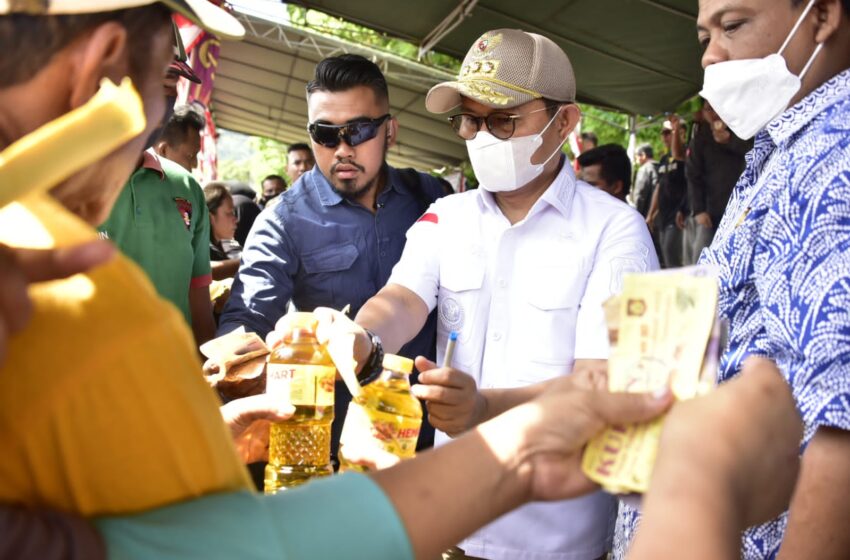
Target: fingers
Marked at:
626, 408
436, 394
423, 364
15, 305
246, 410
211, 367
446, 377
51, 264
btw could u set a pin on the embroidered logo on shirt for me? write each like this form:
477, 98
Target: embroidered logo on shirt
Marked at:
451, 314
429, 217
185, 209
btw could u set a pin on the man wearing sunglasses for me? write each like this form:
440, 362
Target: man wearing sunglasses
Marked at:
519, 269
338, 231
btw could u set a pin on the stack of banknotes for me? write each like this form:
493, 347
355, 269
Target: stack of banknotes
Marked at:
664, 332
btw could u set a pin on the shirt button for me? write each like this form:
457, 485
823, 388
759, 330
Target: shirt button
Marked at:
502, 282
497, 336
383, 253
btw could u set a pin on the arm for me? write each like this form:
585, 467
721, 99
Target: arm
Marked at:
398, 312
395, 313
645, 196
677, 146
200, 306
725, 462
817, 523
39, 534
455, 404
532, 452
264, 284
224, 269
653, 207
695, 174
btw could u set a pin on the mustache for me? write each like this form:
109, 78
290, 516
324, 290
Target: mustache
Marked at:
347, 161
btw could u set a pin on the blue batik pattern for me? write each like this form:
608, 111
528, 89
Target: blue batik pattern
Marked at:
783, 250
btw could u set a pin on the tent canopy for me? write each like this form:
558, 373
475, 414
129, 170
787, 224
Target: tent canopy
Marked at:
638, 56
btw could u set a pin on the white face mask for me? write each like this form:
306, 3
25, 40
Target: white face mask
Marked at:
505, 165
748, 94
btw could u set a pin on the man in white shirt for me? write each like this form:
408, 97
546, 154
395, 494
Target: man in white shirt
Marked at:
518, 268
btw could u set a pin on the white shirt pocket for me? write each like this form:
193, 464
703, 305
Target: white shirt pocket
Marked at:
547, 330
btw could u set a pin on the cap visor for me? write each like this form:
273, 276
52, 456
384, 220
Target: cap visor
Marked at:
442, 98
208, 16
448, 95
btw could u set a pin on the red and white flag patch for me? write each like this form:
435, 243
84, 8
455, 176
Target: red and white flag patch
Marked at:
429, 217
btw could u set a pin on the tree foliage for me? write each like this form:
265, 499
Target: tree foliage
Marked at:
267, 157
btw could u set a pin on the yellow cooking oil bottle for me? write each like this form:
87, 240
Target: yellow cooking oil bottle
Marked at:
385, 415
301, 373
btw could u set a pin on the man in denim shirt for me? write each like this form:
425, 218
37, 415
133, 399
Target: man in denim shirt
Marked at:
338, 231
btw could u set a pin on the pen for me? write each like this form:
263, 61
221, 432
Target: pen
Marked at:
450, 349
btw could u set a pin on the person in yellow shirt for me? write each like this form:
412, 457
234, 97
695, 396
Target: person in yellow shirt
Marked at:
104, 409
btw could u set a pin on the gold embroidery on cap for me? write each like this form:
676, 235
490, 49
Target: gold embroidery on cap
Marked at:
33, 7
485, 45
480, 68
483, 92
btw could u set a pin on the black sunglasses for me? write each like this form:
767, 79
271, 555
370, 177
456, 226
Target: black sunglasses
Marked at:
353, 133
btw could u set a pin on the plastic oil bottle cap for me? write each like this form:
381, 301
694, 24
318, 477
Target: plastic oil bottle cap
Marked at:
398, 363
300, 320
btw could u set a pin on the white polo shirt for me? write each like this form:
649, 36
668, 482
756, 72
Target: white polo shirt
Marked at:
526, 301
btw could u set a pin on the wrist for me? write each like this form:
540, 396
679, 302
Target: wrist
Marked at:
479, 412
374, 363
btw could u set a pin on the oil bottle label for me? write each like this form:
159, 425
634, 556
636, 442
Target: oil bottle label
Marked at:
393, 433
301, 385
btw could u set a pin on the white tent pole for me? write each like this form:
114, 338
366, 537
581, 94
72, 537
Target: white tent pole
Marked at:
632, 137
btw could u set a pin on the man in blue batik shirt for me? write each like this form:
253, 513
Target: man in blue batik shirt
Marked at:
338, 231
783, 246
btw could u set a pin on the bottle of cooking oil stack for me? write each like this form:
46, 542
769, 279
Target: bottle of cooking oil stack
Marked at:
385, 415
301, 373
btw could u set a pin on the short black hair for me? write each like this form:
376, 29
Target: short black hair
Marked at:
184, 119
273, 178
28, 42
614, 164
590, 136
646, 150
346, 71
299, 146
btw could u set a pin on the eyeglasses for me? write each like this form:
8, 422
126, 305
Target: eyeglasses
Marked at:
500, 125
352, 133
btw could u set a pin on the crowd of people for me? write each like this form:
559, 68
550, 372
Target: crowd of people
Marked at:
114, 445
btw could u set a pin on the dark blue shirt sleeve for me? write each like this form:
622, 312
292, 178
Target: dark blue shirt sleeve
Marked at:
263, 287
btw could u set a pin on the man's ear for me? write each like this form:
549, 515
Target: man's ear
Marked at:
100, 53
568, 118
392, 131
829, 14
161, 148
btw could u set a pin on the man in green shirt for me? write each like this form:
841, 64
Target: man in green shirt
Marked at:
160, 221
